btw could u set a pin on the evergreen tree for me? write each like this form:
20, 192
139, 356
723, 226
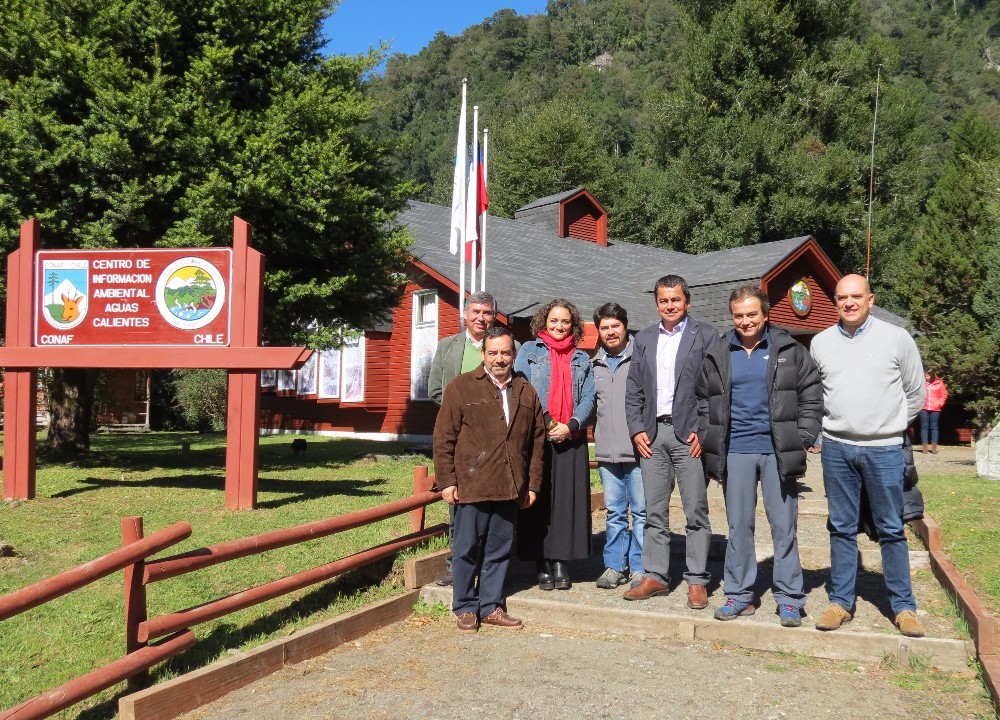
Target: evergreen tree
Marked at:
128, 124
951, 278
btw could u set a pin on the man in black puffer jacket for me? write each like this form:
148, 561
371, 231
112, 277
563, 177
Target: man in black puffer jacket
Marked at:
760, 406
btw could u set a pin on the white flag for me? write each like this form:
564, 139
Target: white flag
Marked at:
458, 184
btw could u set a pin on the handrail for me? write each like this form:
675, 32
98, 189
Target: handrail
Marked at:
171, 622
80, 688
44, 590
169, 567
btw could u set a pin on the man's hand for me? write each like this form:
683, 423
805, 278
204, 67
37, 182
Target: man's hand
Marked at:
641, 441
530, 500
450, 494
695, 449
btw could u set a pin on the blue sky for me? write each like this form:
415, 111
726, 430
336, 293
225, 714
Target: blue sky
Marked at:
409, 24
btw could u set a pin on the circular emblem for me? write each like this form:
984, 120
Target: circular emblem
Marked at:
190, 293
800, 298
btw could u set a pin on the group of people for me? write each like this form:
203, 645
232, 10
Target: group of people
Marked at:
678, 404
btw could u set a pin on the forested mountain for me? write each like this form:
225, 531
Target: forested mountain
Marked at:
706, 124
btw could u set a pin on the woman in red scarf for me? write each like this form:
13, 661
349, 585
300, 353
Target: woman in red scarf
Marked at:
557, 528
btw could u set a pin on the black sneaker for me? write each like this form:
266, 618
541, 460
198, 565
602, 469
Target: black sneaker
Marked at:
443, 580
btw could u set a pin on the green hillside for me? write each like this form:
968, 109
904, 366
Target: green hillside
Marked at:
707, 124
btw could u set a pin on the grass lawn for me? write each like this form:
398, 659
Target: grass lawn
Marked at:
76, 517
965, 507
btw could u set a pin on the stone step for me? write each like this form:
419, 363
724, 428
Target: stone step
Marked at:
646, 621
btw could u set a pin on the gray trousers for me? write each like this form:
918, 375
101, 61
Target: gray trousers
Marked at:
781, 503
672, 462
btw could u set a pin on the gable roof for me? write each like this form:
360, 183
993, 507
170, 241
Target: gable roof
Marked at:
550, 199
527, 265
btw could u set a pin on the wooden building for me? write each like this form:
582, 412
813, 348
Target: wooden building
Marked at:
556, 246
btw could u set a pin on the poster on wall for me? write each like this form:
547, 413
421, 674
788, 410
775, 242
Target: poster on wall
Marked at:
286, 381
307, 376
352, 363
329, 374
422, 348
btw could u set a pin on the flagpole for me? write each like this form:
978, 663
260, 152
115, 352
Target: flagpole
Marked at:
482, 226
471, 200
458, 203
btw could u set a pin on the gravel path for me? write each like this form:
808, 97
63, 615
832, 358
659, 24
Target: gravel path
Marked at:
425, 669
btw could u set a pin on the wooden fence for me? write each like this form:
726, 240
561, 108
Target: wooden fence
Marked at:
172, 631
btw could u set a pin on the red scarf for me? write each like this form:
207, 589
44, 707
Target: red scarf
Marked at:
560, 404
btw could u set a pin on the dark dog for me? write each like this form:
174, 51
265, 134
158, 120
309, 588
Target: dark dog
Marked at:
299, 446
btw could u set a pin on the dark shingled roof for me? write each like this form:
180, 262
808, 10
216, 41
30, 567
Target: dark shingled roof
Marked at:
527, 265
551, 199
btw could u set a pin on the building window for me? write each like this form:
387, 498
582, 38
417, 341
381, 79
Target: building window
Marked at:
423, 342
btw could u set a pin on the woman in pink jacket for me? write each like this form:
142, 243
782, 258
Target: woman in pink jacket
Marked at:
937, 393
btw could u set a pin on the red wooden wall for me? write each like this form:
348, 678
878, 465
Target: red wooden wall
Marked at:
387, 407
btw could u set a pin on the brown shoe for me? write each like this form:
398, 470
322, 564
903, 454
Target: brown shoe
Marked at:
833, 617
500, 618
468, 623
697, 597
646, 589
908, 624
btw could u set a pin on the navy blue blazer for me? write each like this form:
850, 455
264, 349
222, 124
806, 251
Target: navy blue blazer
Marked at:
640, 390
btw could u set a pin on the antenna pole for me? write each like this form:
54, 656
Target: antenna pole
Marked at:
871, 178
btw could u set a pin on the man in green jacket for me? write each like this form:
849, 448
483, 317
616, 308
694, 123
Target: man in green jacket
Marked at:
489, 441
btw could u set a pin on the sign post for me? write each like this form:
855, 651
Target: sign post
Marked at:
138, 308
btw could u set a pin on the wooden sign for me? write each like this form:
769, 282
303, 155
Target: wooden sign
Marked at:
165, 297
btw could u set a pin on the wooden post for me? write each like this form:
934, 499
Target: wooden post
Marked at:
21, 385
244, 385
135, 599
420, 484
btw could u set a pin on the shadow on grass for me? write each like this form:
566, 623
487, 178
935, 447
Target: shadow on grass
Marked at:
295, 490
150, 451
227, 636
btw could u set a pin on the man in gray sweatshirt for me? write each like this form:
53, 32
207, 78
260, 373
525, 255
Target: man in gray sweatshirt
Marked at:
873, 388
617, 463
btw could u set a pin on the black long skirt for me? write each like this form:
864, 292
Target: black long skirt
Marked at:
557, 526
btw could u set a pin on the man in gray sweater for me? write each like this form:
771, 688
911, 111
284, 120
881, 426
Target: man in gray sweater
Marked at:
873, 388
617, 463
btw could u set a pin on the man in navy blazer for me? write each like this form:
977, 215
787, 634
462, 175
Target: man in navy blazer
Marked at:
662, 416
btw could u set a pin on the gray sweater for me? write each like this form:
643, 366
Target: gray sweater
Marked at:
873, 383
612, 442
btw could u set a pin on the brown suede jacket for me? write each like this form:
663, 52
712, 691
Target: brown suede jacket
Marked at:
477, 451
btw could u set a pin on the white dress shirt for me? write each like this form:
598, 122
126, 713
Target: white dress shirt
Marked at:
667, 345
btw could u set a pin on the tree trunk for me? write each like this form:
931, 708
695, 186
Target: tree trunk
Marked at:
71, 399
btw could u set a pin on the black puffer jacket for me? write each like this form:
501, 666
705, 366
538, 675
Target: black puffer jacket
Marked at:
795, 401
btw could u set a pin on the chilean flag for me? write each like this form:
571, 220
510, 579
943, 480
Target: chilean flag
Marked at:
476, 203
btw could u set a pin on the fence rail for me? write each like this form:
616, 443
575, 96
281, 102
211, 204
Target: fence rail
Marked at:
131, 558
65, 582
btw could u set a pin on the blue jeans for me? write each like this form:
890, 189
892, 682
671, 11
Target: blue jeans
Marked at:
929, 425
879, 470
622, 491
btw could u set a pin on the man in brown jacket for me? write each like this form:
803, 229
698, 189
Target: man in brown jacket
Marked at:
488, 443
